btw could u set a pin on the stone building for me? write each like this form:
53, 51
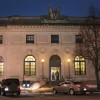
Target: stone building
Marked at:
35, 47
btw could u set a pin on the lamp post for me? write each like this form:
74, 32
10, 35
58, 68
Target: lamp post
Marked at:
42, 67
68, 60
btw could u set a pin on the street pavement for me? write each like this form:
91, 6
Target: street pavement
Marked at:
40, 91
40, 94
44, 91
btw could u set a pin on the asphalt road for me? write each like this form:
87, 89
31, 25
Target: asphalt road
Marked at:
94, 96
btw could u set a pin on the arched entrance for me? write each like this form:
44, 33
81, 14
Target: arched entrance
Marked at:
55, 68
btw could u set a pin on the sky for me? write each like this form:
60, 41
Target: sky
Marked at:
77, 8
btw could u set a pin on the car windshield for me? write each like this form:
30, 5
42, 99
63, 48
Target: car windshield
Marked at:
77, 82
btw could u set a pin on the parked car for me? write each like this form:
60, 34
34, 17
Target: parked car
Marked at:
71, 87
10, 86
0, 84
26, 84
92, 88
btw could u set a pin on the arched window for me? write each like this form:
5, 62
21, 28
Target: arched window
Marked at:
1, 66
80, 65
29, 66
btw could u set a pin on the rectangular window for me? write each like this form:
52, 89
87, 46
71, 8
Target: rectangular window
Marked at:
54, 38
29, 68
1, 39
1, 68
80, 68
79, 38
80, 65
29, 38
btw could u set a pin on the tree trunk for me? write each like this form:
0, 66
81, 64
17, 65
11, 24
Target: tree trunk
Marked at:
97, 78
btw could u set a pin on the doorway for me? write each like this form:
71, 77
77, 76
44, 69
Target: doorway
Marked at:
55, 68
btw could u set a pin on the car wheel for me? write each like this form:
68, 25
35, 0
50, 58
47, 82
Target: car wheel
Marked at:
0, 92
18, 93
11, 94
71, 92
83, 93
91, 92
54, 91
3, 93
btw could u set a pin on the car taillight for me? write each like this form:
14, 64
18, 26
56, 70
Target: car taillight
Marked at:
78, 85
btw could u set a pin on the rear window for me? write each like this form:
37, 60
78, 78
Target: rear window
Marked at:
11, 81
78, 82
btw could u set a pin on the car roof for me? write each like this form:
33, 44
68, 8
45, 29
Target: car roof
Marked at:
11, 79
72, 81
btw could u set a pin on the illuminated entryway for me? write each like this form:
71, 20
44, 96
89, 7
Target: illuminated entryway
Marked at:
55, 68
29, 66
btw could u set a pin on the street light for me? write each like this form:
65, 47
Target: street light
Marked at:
68, 60
42, 67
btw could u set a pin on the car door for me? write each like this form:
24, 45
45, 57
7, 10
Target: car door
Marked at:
66, 86
60, 87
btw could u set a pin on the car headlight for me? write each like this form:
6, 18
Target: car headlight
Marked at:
28, 85
23, 85
6, 89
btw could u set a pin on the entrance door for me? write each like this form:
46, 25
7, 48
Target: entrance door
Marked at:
55, 68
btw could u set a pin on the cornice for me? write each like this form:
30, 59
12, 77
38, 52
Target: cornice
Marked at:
38, 26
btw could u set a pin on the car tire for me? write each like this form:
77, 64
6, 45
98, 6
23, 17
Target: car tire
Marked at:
18, 93
91, 92
54, 91
3, 93
71, 92
83, 93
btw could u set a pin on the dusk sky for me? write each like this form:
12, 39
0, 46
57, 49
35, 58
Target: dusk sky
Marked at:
40, 7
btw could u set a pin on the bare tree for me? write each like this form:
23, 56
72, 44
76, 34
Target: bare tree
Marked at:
90, 47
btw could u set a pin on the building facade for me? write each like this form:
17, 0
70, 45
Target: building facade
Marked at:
32, 48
